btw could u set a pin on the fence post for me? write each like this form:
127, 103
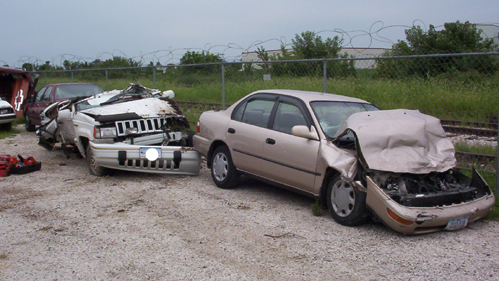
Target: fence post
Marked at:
324, 73
107, 82
154, 76
497, 163
45, 73
223, 86
72, 79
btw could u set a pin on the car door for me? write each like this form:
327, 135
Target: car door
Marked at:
247, 131
289, 159
66, 125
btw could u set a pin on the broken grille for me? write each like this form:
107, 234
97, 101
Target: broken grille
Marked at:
144, 126
160, 164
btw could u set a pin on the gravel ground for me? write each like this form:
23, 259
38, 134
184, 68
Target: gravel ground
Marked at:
60, 223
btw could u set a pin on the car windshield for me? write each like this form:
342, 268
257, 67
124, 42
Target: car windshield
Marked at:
76, 90
331, 114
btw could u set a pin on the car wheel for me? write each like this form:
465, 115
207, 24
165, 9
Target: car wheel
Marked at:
346, 203
28, 125
223, 172
94, 168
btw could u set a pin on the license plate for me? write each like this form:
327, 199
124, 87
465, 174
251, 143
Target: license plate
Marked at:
143, 151
458, 223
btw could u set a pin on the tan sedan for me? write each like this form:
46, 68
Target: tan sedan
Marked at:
395, 166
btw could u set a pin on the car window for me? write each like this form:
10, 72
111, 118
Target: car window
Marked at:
331, 114
40, 94
46, 95
256, 112
76, 90
287, 116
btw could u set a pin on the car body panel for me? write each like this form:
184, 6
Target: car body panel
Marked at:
107, 155
401, 141
431, 218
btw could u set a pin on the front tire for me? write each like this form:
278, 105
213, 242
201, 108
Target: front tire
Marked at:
223, 171
346, 203
94, 168
28, 125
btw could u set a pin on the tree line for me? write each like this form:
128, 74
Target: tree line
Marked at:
453, 38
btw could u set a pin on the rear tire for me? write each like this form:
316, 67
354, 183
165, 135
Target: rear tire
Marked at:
94, 168
346, 203
223, 171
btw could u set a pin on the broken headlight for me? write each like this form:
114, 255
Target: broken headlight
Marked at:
105, 132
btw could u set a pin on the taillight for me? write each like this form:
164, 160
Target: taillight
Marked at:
197, 127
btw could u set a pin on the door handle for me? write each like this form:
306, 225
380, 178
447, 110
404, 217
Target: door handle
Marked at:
231, 131
270, 141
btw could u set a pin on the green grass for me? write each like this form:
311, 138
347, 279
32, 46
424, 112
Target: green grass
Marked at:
12, 132
449, 98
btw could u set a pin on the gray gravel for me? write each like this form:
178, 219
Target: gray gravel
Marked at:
61, 223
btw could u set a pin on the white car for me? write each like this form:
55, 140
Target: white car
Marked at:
7, 114
135, 129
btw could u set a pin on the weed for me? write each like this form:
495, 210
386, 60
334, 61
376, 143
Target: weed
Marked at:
316, 208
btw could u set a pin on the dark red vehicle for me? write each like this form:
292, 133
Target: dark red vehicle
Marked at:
35, 104
15, 86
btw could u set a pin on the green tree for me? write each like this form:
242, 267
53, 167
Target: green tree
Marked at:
309, 45
454, 38
200, 58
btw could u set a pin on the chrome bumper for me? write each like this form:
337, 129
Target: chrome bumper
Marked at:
173, 159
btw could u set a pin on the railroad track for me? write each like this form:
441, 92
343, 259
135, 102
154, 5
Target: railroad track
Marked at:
481, 129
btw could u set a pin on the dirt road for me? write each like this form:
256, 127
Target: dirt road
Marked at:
61, 223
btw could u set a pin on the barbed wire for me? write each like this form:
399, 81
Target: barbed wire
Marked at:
375, 35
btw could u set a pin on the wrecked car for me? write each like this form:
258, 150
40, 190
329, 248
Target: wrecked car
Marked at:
395, 166
135, 129
7, 114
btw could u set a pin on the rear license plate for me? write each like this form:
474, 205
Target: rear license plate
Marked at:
143, 151
458, 223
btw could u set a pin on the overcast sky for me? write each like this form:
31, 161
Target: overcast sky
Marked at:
147, 30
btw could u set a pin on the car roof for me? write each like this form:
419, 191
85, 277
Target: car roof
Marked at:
58, 84
309, 96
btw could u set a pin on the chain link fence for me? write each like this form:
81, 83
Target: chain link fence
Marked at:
459, 89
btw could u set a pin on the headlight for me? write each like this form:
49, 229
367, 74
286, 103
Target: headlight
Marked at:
102, 133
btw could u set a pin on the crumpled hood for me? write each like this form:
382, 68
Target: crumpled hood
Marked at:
148, 107
400, 141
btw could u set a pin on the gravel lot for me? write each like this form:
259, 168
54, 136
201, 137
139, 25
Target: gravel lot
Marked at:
61, 223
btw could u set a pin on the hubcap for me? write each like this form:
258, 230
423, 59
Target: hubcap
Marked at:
343, 198
220, 166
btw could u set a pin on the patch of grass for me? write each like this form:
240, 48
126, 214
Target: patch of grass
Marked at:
316, 209
482, 149
8, 134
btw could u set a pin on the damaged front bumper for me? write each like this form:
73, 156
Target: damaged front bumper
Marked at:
171, 159
420, 220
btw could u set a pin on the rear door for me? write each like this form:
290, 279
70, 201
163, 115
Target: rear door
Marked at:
247, 131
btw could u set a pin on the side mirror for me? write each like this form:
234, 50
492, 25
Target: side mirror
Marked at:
304, 132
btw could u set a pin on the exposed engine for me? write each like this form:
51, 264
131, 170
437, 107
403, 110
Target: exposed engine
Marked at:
430, 190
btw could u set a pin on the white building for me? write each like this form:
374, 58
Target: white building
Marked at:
351, 52
490, 31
